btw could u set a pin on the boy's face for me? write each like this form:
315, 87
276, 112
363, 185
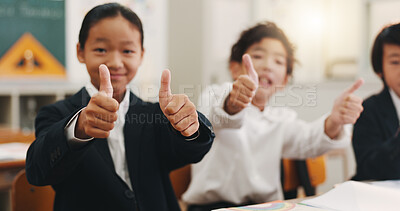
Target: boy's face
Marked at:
115, 42
269, 58
391, 66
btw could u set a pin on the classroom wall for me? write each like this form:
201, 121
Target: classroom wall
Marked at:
185, 46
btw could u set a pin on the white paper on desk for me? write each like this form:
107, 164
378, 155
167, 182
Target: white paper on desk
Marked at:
13, 151
353, 196
387, 183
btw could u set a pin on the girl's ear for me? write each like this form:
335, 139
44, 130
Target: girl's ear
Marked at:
141, 56
79, 53
236, 69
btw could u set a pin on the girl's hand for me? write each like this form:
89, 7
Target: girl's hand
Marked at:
243, 90
97, 119
179, 110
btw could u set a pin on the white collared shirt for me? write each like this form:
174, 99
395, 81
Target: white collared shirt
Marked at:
116, 140
243, 163
396, 102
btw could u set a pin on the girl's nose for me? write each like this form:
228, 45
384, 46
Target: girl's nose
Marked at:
267, 65
115, 61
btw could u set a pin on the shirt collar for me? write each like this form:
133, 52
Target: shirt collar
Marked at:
92, 90
396, 102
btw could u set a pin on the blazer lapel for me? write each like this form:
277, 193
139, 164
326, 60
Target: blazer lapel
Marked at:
101, 146
80, 99
389, 112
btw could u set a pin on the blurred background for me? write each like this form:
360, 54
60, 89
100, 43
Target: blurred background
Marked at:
193, 38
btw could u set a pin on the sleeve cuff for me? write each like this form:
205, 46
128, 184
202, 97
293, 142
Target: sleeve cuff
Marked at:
70, 129
194, 136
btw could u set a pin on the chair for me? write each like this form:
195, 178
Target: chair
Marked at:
25, 196
180, 179
307, 173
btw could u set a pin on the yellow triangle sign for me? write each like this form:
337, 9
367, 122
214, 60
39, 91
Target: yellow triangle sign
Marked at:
28, 58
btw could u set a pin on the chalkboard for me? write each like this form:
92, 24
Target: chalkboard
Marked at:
44, 19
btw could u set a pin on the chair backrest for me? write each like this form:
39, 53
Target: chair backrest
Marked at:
315, 168
180, 179
25, 196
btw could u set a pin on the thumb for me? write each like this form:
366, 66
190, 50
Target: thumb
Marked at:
165, 89
105, 82
355, 86
251, 72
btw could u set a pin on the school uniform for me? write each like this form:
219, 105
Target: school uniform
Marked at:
243, 164
376, 140
84, 177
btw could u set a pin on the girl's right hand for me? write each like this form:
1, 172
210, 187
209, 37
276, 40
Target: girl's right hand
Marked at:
97, 119
244, 89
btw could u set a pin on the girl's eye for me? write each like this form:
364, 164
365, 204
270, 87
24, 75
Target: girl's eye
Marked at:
128, 51
395, 62
280, 62
100, 50
256, 56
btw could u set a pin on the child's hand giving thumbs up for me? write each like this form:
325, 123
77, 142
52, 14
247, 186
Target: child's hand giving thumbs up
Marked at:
179, 110
243, 89
346, 110
97, 119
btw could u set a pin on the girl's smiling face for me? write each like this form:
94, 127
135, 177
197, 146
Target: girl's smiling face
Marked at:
115, 42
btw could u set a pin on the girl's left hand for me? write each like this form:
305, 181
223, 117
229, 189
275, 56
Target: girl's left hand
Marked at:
178, 108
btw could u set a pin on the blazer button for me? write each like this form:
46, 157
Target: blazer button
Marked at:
129, 194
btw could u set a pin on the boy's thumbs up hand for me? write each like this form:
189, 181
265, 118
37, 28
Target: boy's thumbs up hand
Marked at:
243, 89
179, 110
98, 117
346, 110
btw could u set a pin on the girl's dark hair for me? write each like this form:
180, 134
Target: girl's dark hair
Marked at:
255, 35
104, 11
389, 35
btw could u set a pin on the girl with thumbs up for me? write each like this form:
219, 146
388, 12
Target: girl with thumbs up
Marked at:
243, 165
95, 148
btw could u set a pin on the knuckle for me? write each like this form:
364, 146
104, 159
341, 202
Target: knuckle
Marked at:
91, 121
111, 126
195, 115
235, 85
171, 119
106, 134
185, 133
179, 127
114, 117
192, 109
169, 109
246, 100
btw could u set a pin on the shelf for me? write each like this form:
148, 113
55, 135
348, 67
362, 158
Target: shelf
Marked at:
20, 101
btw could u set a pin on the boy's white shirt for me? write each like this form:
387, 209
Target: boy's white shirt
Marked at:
116, 139
244, 161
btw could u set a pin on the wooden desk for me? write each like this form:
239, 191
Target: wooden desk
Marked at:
10, 168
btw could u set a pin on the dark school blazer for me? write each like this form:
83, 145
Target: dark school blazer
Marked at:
376, 143
84, 177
